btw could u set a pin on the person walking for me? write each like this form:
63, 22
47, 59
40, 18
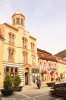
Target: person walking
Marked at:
38, 83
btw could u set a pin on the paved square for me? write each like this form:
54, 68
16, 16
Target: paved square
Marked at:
32, 93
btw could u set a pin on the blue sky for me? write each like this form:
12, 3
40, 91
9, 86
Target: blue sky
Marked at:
44, 19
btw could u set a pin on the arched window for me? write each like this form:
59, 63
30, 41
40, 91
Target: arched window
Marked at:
40, 65
13, 71
11, 38
25, 57
32, 47
24, 40
18, 21
11, 52
33, 60
7, 69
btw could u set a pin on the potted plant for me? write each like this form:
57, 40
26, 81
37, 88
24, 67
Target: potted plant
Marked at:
50, 84
17, 82
58, 79
7, 84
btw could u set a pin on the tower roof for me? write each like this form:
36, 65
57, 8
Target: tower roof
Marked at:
18, 13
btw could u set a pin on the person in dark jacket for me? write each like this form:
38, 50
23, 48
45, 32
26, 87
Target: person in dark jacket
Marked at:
38, 83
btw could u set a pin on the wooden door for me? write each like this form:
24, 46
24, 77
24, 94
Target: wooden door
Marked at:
26, 78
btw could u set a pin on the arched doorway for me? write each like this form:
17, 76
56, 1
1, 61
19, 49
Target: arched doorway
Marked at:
26, 69
26, 76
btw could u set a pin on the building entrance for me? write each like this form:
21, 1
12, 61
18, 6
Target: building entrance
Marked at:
26, 70
26, 78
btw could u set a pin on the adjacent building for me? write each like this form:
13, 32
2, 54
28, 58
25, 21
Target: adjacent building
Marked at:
50, 67
61, 66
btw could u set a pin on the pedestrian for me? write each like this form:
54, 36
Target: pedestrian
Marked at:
38, 83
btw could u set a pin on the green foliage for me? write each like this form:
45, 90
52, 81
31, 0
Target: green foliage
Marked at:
7, 81
61, 75
58, 79
17, 80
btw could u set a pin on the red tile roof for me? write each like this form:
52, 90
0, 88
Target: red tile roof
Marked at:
43, 51
48, 56
60, 60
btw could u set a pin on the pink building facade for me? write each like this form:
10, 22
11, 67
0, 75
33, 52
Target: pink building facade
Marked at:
49, 66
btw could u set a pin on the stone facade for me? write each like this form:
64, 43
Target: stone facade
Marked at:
20, 52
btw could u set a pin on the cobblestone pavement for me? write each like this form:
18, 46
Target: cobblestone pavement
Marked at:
31, 97
32, 93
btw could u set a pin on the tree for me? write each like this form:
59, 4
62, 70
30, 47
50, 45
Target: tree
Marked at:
7, 81
17, 80
61, 76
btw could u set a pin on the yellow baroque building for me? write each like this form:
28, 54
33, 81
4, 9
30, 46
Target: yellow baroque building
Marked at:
20, 51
